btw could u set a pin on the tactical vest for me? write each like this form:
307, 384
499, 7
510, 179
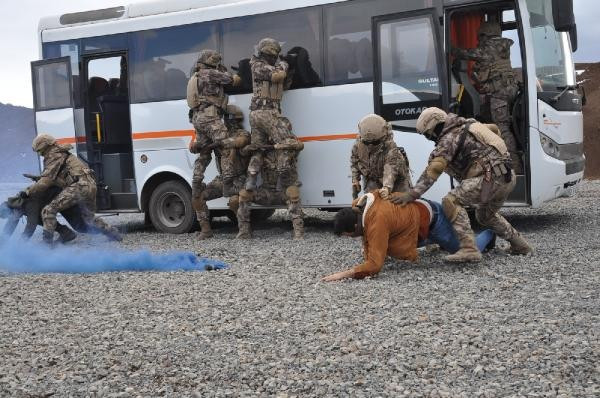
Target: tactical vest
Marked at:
370, 166
267, 90
200, 92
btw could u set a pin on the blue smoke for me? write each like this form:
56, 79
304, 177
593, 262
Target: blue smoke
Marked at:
17, 256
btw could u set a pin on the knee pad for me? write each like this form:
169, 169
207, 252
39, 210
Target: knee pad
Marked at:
450, 207
234, 203
48, 213
246, 196
293, 193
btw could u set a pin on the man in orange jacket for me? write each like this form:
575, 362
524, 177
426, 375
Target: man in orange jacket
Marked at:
391, 230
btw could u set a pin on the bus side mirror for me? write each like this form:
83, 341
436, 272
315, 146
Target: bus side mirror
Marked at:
562, 12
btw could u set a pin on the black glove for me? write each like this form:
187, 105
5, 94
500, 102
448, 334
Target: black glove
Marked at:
23, 195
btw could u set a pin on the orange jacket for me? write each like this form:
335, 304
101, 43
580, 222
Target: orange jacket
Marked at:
389, 229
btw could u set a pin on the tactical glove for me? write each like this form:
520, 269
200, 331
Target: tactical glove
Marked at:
23, 195
401, 198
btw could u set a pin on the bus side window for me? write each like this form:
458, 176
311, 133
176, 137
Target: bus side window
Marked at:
349, 51
298, 31
162, 60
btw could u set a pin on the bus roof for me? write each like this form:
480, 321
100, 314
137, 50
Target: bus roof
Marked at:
158, 13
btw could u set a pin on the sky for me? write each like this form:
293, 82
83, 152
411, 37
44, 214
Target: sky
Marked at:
19, 42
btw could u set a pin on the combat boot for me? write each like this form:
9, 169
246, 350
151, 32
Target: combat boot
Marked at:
112, 234
244, 231
251, 182
519, 246
206, 231
298, 225
48, 238
66, 233
468, 252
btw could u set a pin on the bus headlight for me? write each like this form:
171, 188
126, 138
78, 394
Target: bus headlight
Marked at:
550, 146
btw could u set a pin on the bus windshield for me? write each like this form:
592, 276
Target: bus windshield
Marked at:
553, 58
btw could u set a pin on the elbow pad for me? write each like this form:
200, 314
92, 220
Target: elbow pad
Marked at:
436, 167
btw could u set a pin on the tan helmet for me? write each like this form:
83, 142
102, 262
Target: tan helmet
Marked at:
373, 128
490, 29
209, 58
42, 142
269, 46
235, 112
430, 118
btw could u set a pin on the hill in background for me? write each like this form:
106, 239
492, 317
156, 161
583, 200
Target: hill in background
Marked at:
16, 133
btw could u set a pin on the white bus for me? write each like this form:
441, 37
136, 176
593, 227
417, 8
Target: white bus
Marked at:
113, 83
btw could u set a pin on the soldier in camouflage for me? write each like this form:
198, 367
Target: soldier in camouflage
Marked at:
496, 82
207, 101
231, 165
77, 184
270, 76
376, 157
478, 158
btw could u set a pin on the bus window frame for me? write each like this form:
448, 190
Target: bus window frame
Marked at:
35, 81
441, 61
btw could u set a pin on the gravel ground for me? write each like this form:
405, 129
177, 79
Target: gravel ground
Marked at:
509, 326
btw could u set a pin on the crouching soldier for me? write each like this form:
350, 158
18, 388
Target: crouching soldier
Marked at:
376, 158
76, 183
31, 207
231, 165
478, 158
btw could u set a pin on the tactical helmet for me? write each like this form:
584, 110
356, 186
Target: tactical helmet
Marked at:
373, 128
42, 142
209, 58
430, 118
234, 112
269, 46
490, 29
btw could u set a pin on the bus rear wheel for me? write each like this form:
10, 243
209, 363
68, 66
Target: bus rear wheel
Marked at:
171, 208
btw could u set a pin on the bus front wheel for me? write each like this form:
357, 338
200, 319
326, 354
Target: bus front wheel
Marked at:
171, 208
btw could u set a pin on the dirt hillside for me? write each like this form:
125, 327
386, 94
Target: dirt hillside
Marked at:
591, 118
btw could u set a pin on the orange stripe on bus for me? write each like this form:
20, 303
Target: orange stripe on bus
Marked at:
191, 133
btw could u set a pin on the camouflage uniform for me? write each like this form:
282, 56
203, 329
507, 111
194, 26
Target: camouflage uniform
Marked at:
207, 101
481, 164
269, 79
78, 187
231, 165
381, 165
496, 82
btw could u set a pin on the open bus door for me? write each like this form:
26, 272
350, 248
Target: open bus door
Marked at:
408, 77
53, 100
108, 129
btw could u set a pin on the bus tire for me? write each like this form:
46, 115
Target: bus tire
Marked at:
171, 209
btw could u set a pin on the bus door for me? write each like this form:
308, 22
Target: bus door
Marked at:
408, 78
108, 129
53, 100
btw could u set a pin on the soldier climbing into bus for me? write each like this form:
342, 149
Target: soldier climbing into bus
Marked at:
231, 165
207, 101
478, 158
270, 77
496, 82
77, 187
376, 159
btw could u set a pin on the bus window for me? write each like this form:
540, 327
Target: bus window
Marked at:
51, 86
298, 31
348, 33
162, 60
104, 43
409, 68
67, 49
